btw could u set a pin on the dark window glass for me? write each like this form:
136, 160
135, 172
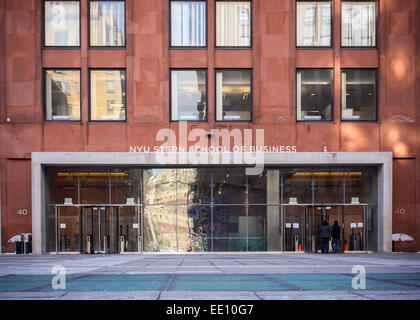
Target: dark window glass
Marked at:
100, 107
314, 96
189, 95
358, 94
358, 23
313, 23
233, 24
233, 95
61, 24
107, 23
62, 95
188, 23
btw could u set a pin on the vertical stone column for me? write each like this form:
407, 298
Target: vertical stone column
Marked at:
273, 212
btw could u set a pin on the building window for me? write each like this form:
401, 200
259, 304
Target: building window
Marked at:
188, 95
100, 108
233, 95
62, 99
188, 24
61, 23
358, 23
358, 95
233, 24
110, 88
313, 23
314, 96
107, 23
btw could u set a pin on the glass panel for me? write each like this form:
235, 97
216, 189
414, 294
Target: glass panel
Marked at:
107, 23
188, 23
229, 228
328, 186
189, 95
354, 225
294, 220
126, 186
314, 97
129, 228
358, 94
104, 105
358, 23
193, 228
62, 184
62, 23
160, 186
233, 95
257, 228
94, 186
62, 95
264, 188
160, 232
313, 24
68, 226
361, 186
233, 24
193, 186
297, 186
229, 186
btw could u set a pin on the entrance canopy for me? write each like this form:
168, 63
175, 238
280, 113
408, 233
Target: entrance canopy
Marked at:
130, 202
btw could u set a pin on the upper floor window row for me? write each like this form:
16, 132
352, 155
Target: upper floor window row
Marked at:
62, 23
188, 23
314, 23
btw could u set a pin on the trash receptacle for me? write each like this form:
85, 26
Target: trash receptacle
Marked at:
19, 245
27, 243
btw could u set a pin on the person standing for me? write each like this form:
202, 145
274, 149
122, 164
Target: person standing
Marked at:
324, 233
335, 235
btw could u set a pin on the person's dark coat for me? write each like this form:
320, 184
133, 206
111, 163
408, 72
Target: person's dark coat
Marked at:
324, 230
335, 232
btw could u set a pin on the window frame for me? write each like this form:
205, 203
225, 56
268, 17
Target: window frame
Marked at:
251, 40
332, 97
205, 47
170, 94
376, 100
44, 95
331, 27
90, 94
93, 47
43, 29
376, 26
251, 94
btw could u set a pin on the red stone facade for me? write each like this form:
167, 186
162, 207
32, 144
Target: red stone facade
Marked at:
147, 59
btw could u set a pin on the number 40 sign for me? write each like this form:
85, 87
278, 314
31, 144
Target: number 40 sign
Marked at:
22, 212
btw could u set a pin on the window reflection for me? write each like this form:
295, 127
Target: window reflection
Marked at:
314, 96
233, 27
313, 24
106, 105
188, 23
358, 23
107, 23
233, 95
62, 23
62, 95
189, 95
358, 94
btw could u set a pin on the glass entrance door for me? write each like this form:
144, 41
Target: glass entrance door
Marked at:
99, 229
68, 229
354, 228
315, 215
130, 229
293, 228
